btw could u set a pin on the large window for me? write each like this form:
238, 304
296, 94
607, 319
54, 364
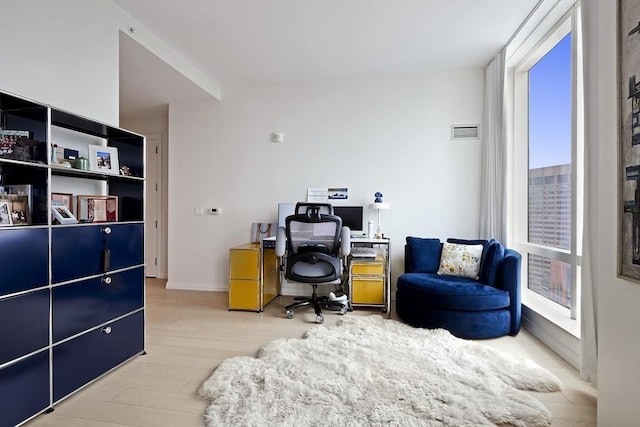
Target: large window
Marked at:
546, 167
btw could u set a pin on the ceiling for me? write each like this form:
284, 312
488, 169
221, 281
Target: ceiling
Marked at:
237, 43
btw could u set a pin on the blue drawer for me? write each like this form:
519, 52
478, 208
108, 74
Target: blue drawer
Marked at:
83, 359
24, 389
25, 259
24, 325
78, 251
82, 305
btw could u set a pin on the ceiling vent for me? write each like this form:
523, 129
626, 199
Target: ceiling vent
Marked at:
465, 132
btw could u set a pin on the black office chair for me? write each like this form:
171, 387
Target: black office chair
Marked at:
315, 243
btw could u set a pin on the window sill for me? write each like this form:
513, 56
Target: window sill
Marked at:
554, 313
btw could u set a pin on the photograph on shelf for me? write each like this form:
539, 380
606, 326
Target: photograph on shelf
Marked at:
97, 208
66, 199
104, 159
62, 214
20, 202
5, 215
9, 139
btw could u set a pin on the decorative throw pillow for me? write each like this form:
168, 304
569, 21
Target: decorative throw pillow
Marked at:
423, 255
460, 260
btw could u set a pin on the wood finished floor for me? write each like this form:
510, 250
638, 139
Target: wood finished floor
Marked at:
189, 333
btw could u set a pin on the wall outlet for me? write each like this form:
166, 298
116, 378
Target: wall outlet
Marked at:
198, 211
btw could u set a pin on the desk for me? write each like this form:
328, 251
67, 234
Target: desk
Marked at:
372, 286
369, 281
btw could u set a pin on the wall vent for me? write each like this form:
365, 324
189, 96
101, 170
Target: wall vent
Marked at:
465, 132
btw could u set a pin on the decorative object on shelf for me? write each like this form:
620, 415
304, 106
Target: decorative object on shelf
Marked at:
5, 216
379, 205
62, 214
124, 170
104, 159
82, 163
97, 208
20, 202
66, 199
54, 157
12, 144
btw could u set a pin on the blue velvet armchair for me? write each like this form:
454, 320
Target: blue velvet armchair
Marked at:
487, 307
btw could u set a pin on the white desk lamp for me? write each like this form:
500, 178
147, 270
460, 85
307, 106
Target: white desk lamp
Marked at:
379, 206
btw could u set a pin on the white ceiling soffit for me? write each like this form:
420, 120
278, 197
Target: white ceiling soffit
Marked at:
279, 41
147, 81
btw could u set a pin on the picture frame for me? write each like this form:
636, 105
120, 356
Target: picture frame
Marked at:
104, 159
8, 140
65, 198
20, 202
5, 214
62, 214
96, 208
628, 98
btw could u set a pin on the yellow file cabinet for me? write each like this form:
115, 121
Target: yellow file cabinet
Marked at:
368, 281
253, 277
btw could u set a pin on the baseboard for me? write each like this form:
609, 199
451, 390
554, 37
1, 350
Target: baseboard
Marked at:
187, 286
557, 339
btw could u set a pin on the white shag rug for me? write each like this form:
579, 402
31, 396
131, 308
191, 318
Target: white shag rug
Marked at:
369, 371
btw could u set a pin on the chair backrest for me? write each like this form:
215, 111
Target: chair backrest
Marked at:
313, 244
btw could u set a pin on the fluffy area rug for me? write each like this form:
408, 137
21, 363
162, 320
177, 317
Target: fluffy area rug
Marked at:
369, 371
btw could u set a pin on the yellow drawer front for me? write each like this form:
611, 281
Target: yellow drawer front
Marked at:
367, 291
371, 268
244, 295
244, 264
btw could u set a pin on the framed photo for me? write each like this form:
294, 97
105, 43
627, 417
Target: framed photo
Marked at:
65, 199
5, 214
62, 214
104, 159
97, 208
20, 202
8, 140
628, 140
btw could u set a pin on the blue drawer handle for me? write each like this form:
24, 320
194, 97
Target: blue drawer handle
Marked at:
106, 330
106, 280
106, 230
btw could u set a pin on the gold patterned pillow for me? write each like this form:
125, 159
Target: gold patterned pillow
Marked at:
460, 260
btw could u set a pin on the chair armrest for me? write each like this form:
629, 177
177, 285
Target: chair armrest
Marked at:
509, 275
345, 241
281, 242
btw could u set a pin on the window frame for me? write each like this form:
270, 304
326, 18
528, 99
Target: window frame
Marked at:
518, 232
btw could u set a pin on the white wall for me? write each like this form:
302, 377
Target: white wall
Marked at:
618, 320
63, 53
389, 135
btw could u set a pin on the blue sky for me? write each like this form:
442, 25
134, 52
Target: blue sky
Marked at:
550, 107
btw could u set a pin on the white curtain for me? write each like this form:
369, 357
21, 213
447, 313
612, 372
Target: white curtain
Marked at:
587, 18
494, 136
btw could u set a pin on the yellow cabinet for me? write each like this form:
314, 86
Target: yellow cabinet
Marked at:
367, 279
253, 277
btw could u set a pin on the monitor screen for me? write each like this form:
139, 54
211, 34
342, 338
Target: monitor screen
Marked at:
351, 216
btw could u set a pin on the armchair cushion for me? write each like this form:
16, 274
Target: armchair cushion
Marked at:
461, 260
423, 255
492, 255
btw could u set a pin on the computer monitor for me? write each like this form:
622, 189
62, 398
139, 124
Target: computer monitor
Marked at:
351, 216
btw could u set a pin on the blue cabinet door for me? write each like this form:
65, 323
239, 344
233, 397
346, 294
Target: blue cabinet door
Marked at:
82, 305
84, 358
25, 259
24, 324
24, 389
79, 251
